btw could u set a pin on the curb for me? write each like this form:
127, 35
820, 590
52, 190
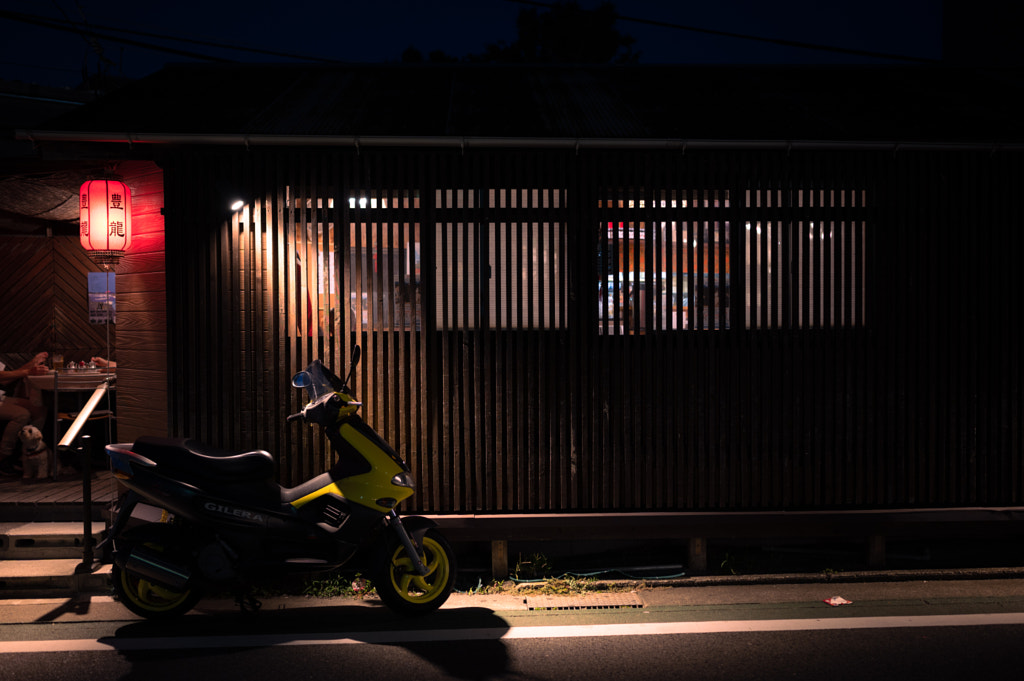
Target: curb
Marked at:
97, 583
938, 574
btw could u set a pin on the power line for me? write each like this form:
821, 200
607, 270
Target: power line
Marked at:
75, 27
91, 31
745, 36
56, 24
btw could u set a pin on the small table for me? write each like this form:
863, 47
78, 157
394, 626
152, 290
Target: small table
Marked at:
82, 380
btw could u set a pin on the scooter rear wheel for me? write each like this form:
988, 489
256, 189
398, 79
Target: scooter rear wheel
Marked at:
403, 590
151, 600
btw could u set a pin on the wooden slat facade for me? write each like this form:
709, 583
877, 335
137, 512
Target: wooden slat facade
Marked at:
826, 329
142, 381
45, 303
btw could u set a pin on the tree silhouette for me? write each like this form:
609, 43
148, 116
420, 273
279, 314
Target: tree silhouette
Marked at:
563, 34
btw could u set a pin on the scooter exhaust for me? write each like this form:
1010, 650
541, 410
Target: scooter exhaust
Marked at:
152, 566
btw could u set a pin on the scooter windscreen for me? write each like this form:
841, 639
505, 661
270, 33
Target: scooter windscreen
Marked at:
317, 380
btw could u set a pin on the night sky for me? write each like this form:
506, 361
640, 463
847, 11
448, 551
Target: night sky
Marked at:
380, 30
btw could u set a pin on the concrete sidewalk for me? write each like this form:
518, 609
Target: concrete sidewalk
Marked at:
995, 589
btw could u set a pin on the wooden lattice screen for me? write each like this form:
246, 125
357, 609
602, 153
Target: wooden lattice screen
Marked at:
585, 330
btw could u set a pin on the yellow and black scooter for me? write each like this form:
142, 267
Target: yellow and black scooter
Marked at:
231, 527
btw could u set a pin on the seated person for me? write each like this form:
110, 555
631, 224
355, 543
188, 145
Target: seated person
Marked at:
18, 411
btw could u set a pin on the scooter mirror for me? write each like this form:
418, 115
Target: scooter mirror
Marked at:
356, 354
302, 380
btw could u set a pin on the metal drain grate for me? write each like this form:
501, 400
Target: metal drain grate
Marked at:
587, 602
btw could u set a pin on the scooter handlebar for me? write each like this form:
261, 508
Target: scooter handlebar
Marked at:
314, 411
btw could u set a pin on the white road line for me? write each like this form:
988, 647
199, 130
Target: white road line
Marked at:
595, 630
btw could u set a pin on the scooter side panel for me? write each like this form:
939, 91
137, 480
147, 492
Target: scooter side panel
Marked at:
373, 488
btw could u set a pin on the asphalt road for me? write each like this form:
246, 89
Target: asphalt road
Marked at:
889, 631
947, 653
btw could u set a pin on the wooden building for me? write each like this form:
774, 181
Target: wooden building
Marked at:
602, 289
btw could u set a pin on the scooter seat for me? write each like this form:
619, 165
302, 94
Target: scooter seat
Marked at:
198, 460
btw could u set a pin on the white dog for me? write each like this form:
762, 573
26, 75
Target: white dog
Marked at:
35, 455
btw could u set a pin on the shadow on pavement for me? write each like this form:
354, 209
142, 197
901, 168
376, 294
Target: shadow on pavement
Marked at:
484, 656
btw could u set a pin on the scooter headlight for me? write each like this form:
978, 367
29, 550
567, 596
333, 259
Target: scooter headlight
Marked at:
403, 479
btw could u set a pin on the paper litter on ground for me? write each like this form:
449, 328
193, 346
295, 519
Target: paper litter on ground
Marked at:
837, 600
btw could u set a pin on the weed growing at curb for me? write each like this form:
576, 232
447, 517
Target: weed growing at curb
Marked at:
337, 585
535, 575
534, 566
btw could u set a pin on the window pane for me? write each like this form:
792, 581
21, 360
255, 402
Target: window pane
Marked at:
667, 273
501, 274
805, 273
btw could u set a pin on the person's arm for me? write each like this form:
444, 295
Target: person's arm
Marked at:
13, 375
33, 366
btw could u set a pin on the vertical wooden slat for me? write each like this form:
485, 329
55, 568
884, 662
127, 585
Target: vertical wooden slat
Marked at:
426, 180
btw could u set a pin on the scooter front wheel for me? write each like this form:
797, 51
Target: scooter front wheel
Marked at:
406, 592
151, 600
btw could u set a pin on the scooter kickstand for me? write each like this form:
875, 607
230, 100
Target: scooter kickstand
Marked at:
248, 603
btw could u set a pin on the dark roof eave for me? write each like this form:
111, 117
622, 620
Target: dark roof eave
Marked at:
218, 139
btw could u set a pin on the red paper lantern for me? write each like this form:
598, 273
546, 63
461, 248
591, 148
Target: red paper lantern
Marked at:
105, 219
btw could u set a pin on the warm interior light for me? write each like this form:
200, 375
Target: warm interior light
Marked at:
237, 204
